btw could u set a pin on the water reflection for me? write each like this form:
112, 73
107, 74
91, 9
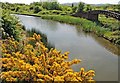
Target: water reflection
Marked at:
105, 43
38, 24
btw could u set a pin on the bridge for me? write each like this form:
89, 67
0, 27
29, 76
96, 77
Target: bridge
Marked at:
93, 15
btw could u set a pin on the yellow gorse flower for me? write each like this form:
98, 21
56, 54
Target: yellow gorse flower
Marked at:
23, 61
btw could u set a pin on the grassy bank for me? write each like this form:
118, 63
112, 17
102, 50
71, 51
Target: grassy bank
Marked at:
87, 26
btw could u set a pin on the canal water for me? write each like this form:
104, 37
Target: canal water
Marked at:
96, 53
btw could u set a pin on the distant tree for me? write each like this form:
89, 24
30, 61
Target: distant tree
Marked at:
118, 7
55, 6
72, 5
74, 9
37, 9
88, 7
81, 6
36, 3
17, 9
105, 7
51, 6
31, 8
12, 8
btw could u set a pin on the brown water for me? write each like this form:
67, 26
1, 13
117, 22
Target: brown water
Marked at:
96, 53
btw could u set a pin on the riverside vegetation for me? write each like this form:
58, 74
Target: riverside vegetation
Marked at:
55, 11
23, 61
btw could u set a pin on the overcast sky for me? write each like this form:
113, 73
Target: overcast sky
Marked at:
66, 1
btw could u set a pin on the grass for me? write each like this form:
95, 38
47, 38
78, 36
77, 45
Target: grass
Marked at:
110, 23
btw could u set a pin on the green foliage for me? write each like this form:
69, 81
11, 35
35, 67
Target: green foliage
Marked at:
17, 9
112, 7
74, 9
56, 12
31, 8
44, 13
36, 4
10, 26
118, 7
37, 9
81, 6
88, 8
51, 6
110, 23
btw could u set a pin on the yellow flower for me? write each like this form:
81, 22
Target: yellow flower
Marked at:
32, 69
59, 78
38, 62
40, 75
47, 78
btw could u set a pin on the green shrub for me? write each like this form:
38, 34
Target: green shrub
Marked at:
44, 12
37, 9
10, 26
56, 12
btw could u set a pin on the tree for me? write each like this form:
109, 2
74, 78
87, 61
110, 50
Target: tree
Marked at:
51, 6
105, 7
81, 6
17, 9
118, 7
72, 5
88, 8
74, 9
37, 9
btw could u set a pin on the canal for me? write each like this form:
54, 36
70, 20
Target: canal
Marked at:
96, 53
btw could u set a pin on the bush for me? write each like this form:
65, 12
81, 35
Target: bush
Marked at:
23, 62
51, 6
81, 6
10, 26
37, 9
74, 9
44, 12
56, 12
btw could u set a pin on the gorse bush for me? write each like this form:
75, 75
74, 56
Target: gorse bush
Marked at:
23, 62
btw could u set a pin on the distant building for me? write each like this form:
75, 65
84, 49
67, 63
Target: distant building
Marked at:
48, 0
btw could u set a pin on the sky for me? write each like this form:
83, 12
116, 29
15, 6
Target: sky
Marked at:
66, 1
